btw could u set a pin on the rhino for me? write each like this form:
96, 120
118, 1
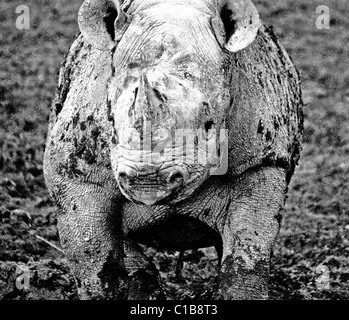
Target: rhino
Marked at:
176, 124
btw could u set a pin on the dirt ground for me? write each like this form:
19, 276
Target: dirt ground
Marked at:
311, 254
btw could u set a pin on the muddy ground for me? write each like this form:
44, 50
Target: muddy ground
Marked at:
311, 255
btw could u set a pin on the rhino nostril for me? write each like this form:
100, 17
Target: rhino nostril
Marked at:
175, 177
122, 176
127, 176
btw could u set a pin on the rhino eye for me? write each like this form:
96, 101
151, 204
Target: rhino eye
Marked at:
159, 95
184, 72
209, 125
188, 75
208, 132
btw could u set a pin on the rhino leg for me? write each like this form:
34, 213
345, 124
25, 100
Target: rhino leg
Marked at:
105, 265
144, 277
90, 232
251, 226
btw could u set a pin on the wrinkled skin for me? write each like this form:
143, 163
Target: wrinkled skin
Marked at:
117, 185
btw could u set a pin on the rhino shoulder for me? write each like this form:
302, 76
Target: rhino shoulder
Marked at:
79, 129
265, 120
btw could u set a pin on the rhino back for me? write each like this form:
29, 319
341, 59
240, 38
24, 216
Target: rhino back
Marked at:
265, 121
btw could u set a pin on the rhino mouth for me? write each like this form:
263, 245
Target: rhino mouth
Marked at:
147, 188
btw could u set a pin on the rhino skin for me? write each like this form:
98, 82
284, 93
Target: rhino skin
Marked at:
148, 62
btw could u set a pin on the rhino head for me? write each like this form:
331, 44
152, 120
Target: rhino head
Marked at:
169, 93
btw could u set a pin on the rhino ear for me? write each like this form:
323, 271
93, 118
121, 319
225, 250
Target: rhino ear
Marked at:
100, 21
241, 23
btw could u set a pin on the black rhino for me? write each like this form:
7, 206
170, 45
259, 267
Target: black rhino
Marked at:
176, 124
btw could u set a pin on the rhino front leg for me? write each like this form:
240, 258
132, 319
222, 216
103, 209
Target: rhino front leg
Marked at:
144, 277
251, 226
90, 232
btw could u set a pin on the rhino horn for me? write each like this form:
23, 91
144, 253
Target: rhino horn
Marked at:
241, 23
100, 21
